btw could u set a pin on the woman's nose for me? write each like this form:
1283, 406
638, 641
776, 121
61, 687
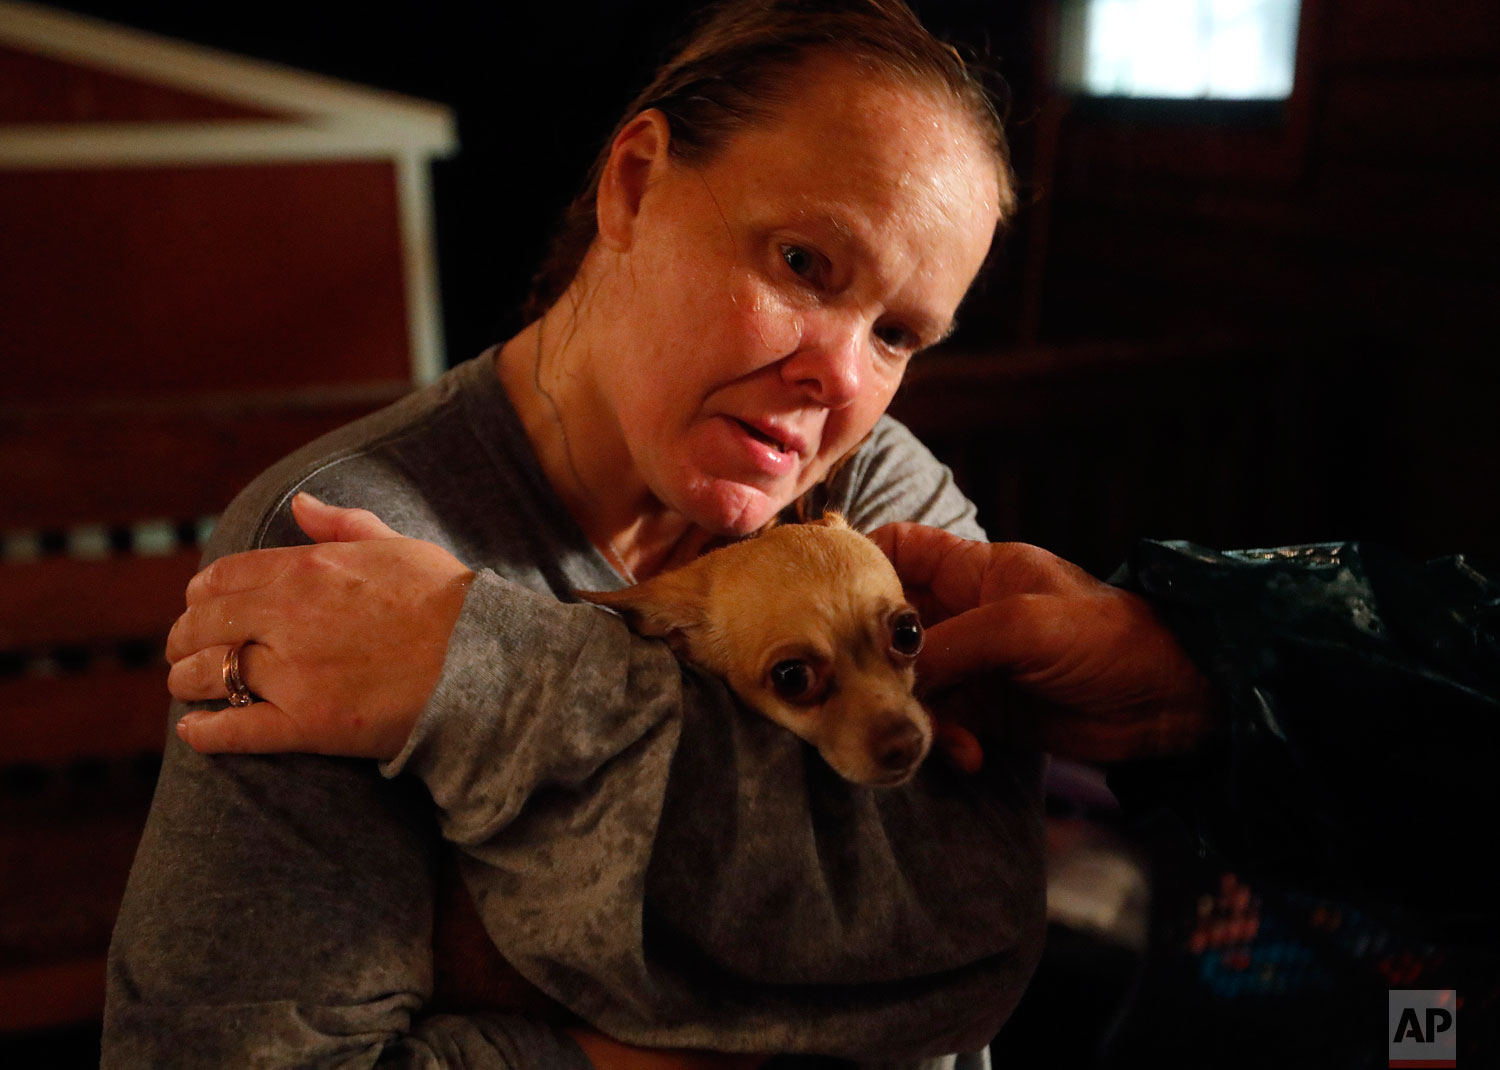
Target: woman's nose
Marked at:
830, 361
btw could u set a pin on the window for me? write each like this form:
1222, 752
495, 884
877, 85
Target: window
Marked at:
1180, 49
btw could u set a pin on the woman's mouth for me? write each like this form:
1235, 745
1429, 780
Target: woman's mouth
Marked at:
773, 452
763, 436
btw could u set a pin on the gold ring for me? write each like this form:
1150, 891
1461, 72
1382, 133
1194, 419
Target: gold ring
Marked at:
239, 694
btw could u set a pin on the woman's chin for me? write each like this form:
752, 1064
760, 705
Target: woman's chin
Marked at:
732, 510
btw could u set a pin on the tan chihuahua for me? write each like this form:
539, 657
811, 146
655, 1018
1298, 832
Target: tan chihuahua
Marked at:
808, 625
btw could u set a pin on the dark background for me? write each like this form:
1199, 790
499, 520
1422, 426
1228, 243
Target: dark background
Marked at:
1302, 295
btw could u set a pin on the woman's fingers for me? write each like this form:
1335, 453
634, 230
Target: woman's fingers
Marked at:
260, 728
331, 523
1088, 669
1014, 635
256, 569
961, 746
217, 621
200, 676
236, 573
933, 562
1091, 739
958, 574
348, 638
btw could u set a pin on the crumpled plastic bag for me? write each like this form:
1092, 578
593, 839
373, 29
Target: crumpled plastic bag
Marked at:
1358, 749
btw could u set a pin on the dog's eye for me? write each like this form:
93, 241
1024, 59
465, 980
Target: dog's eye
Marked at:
906, 635
793, 679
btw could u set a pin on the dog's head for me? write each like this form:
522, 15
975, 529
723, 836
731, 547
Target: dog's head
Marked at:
809, 626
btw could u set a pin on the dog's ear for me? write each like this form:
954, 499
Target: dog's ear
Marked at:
831, 519
670, 606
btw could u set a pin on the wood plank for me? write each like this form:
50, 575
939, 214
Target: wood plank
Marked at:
115, 713
1102, 147
1425, 122
207, 277
1458, 225
49, 995
1128, 276
40, 89
1082, 449
173, 458
66, 846
58, 601
1055, 389
65, 852
1337, 205
1395, 32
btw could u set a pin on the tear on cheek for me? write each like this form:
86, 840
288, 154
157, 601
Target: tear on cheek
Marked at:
780, 332
767, 317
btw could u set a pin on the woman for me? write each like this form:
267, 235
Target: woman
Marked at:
794, 208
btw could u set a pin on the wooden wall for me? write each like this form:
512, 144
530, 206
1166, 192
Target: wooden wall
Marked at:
1358, 225
169, 331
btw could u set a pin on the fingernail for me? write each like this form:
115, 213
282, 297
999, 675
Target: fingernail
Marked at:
184, 724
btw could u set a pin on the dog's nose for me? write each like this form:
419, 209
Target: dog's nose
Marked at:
900, 748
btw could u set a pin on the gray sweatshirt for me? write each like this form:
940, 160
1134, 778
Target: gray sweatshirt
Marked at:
671, 867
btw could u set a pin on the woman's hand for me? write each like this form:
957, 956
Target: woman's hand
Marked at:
1085, 670
347, 638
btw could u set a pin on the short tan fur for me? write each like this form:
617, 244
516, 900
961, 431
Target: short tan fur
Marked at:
807, 623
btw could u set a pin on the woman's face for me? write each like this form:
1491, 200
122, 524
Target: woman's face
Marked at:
775, 294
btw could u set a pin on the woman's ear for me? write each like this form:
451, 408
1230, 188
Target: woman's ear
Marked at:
638, 153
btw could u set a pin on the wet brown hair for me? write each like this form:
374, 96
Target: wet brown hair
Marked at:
734, 71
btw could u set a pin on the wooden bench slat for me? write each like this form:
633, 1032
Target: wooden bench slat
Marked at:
1047, 391
50, 995
66, 855
61, 600
176, 458
104, 714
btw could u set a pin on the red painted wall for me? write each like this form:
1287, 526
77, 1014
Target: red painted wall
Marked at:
146, 280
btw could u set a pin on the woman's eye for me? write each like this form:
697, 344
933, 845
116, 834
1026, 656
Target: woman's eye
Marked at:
802, 262
896, 338
906, 635
793, 679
